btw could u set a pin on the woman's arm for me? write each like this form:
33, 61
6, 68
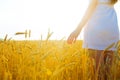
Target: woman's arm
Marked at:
73, 36
87, 14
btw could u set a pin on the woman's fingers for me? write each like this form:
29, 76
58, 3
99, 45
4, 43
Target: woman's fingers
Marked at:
74, 40
71, 39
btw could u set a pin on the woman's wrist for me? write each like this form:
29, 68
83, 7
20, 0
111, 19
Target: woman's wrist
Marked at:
78, 29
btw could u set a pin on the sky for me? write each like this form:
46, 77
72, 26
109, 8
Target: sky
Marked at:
60, 16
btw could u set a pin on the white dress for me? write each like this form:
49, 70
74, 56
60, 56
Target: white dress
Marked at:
102, 28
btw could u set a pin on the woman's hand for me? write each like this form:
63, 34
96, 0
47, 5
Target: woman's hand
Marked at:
73, 36
91, 8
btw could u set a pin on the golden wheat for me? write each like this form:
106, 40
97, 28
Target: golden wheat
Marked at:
48, 60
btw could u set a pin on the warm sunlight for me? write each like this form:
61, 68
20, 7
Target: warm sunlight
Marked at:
38, 40
61, 16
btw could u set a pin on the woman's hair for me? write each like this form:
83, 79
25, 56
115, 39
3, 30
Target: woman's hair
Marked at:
113, 1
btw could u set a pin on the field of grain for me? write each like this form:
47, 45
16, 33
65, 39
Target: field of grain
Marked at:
48, 60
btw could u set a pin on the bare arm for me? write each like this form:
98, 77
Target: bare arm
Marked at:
73, 36
87, 14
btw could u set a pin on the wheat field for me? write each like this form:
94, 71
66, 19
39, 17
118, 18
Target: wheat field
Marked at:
48, 60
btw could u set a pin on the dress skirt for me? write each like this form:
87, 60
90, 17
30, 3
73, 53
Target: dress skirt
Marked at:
102, 28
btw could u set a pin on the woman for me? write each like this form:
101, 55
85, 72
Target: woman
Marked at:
101, 30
